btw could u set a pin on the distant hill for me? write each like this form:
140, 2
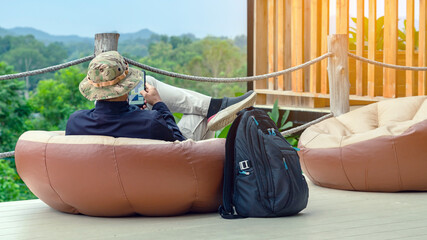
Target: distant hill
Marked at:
48, 38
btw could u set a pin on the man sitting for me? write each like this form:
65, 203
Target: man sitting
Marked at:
109, 81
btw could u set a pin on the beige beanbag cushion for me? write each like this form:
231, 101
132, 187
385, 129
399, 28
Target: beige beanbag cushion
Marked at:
378, 147
106, 176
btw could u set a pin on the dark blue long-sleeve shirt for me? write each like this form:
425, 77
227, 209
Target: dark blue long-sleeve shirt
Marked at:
119, 119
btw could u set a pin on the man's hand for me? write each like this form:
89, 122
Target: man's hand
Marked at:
151, 95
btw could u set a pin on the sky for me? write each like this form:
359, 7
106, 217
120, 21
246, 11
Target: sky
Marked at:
88, 17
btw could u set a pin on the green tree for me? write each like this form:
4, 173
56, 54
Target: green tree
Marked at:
55, 99
14, 110
12, 187
26, 53
210, 57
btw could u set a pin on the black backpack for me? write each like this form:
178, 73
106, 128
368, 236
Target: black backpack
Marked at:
262, 173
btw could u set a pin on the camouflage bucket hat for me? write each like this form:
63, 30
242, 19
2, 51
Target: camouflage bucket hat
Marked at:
108, 76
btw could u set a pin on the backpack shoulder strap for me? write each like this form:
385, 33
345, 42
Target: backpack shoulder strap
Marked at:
226, 210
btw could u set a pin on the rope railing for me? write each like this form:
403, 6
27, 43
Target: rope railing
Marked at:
235, 79
387, 65
46, 69
7, 154
306, 125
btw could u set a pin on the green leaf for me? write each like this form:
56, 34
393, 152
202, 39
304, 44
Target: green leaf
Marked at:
284, 117
223, 133
286, 125
177, 116
275, 112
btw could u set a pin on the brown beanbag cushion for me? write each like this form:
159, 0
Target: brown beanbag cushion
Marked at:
378, 147
106, 176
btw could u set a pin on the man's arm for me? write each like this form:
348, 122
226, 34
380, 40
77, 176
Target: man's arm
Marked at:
161, 108
152, 97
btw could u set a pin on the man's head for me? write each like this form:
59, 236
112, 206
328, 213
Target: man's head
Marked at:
108, 77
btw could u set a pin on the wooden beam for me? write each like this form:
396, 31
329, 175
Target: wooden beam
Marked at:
297, 27
105, 42
360, 46
410, 75
260, 38
390, 48
339, 84
372, 47
422, 49
324, 46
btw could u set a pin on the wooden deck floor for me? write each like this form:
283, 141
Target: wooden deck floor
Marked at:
331, 214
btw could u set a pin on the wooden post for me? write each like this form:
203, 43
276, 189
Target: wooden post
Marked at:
105, 42
339, 85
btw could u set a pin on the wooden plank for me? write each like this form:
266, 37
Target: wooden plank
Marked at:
342, 16
261, 47
360, 45
338, 74
390, 48
288, 43
317, 95
422, 52
271, 41
324, 46
328, 216
297, 27
372, 46
410, 75
280, 22
314, 51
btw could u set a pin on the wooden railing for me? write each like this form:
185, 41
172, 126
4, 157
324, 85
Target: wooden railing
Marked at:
285, 33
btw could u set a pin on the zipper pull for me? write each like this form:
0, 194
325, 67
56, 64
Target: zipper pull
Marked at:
273, 132
286, 165
244, 173
256, 122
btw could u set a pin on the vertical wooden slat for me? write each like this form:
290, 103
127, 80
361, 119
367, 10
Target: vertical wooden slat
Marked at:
390, 48
297, 44
410, 75
288, 43
280, 19
314, 51
342, 16
324, 48
306, 45
271, 41
250, 42
260, 53
422, 49
360, 46
372, 46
